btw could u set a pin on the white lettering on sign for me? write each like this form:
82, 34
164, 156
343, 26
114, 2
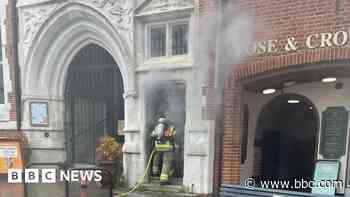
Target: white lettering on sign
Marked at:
8, 152
312, 41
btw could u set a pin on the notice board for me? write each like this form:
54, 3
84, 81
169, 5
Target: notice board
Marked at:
334, 132
325, 170
10, 155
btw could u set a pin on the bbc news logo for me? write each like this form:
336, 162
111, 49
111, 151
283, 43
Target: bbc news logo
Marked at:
52, 175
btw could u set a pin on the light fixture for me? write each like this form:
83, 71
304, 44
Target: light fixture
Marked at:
269, 91
329, 79
293, 101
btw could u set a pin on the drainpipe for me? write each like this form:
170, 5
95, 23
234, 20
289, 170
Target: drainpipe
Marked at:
14, 27
219, 92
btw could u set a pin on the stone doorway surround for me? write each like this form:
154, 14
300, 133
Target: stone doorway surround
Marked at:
52, 32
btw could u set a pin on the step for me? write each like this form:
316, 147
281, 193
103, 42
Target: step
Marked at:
160, 194
156, 187
173, 181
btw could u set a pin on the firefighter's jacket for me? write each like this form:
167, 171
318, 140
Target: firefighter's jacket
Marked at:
166, 142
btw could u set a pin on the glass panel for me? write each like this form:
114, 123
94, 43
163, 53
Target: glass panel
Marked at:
158, 42
180, 39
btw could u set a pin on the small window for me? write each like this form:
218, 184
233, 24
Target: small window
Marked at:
179, 39
158, 42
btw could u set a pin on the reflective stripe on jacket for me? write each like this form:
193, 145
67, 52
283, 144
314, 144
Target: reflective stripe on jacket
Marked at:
167, 142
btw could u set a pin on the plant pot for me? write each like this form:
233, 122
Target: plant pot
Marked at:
109, 179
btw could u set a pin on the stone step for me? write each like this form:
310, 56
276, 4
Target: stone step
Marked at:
160, 194
156, 187
173, 181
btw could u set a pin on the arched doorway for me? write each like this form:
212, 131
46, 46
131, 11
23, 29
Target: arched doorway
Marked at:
93, 102
287, 134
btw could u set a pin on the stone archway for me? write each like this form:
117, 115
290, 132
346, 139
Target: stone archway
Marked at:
94, 103
70, 29
44, 69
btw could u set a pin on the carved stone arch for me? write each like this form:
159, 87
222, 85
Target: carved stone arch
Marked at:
60, 37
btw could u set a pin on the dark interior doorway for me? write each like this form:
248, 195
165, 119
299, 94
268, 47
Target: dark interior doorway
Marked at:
168, 97
93, 101
287, 132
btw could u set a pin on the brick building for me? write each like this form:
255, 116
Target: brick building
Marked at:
109, 65
278, 102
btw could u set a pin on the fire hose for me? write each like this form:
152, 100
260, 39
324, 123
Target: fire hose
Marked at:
139, 183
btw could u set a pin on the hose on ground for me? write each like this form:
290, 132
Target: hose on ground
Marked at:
141, 179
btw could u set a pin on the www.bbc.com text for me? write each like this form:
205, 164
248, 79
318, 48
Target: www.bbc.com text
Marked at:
296, 184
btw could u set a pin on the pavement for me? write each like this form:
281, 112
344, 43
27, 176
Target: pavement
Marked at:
155, 194
150, 190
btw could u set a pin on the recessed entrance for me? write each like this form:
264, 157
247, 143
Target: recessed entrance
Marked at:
93, 101
287, 135
168, 98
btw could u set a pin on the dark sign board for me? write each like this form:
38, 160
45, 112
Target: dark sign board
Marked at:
334, 132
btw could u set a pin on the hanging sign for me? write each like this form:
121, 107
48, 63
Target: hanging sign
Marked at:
334, 132
39, 114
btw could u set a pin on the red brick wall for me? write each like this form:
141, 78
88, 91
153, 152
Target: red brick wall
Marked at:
278, 19
281, 19
207, 9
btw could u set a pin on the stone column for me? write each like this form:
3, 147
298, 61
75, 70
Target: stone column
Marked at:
133, 164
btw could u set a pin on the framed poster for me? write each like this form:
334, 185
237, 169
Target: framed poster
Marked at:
10, 155
39, 114
120, 127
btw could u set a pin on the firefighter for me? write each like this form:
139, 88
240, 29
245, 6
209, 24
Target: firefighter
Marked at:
164, 146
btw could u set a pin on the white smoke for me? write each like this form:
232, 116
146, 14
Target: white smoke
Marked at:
228, 34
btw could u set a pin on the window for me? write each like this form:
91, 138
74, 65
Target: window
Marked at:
158, 42
168, 40
179, 39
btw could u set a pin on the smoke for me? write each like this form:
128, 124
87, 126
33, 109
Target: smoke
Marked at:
221, 40
226, 36
164, 96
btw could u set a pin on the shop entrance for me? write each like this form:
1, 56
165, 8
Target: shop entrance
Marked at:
93, 102
287, 134
168, 98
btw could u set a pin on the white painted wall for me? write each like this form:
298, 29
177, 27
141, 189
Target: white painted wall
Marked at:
322, 95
